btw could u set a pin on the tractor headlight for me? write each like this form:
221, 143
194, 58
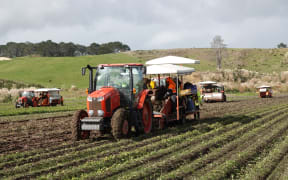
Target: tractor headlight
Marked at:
90, 112
89, 99
100, 113
99, 99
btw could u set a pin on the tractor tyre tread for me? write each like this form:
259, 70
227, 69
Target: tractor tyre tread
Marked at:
117, 121
76, 131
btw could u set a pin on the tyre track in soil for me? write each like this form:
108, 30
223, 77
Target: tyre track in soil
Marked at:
168, 165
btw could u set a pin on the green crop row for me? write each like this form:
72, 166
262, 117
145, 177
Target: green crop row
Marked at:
193, 167
85, 155
266, 166
232, 166
127, 165
156, 169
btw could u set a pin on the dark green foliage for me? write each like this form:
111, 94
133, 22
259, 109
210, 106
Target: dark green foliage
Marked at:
282, 45
52, 49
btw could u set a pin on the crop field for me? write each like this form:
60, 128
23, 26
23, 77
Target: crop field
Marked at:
239, 139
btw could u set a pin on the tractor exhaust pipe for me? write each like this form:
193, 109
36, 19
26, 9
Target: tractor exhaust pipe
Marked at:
90, 89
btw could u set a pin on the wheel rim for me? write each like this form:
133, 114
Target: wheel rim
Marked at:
147, 119
125, 127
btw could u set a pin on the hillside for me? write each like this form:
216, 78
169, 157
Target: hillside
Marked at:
260, 60
63, 72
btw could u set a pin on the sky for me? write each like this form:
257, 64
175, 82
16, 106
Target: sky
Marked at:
147, 24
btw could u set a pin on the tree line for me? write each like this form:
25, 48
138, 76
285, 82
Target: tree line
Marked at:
52, 49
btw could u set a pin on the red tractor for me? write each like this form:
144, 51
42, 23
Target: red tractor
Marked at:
116, 102
26, 99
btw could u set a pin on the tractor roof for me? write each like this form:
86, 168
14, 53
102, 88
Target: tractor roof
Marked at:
264, 86
207, 82
47, 89
125, 64
172, 60
169, 69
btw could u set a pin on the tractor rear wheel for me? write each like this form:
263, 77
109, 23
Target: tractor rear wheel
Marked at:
77, 133
147, 116
121, 127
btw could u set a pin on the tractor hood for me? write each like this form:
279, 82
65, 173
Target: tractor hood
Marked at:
103, 92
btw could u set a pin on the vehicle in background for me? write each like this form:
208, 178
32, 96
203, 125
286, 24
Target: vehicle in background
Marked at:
265, 91
212, 92
26, 99
48, 97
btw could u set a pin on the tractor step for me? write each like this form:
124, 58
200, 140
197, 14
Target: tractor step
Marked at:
92, 123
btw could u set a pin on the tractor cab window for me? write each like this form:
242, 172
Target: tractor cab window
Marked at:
119, 77
137, 79
27, 94
115, 76
54, 93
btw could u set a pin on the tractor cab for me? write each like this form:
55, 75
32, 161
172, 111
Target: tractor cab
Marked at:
265, 91
116, 102
212, 92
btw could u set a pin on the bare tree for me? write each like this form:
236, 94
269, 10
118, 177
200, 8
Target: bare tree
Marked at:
218, 45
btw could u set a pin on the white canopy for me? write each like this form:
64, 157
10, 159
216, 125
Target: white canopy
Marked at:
207, 82
264, 86
46, 89
172, 60
168, 69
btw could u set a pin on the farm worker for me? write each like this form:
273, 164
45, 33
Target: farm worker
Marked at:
171, 84
152, 84
198, 101
190, 103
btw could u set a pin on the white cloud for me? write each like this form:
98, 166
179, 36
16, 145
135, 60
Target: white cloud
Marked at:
146, 24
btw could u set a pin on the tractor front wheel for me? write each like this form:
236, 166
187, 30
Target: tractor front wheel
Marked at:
121, 127
77, 133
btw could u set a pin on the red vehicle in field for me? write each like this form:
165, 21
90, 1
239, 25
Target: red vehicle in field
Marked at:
26, 99
265, 91
116, 102
48, 97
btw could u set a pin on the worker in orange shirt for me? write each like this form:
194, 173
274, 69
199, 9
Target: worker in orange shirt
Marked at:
171, 84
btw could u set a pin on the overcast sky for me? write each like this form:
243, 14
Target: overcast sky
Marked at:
147, 24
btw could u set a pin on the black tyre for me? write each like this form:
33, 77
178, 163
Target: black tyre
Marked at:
77, 133
147, 116
121, 127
